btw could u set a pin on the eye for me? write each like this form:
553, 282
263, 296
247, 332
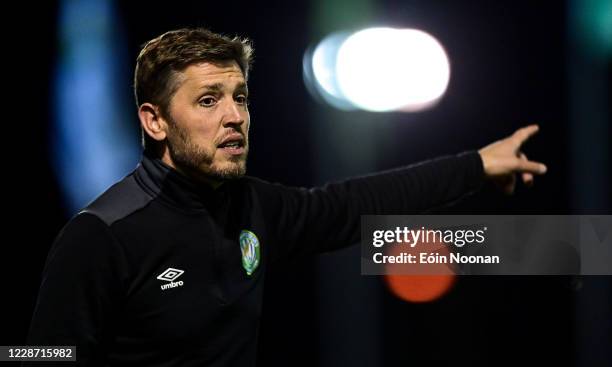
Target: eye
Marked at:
208, 101
242, 99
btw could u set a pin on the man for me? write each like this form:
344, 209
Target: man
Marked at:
167, 267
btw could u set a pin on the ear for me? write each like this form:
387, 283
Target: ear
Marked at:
152, 122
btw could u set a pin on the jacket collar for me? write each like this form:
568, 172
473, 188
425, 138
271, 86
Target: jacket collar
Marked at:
162, 181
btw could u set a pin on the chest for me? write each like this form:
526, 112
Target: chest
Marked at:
193, 276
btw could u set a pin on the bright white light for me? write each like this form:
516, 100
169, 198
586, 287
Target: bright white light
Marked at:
383, 69
320, 71
324, 65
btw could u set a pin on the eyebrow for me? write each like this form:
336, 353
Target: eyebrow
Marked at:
217, 87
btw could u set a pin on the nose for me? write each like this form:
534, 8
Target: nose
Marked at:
234, 114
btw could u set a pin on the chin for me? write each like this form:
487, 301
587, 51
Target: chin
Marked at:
228, 171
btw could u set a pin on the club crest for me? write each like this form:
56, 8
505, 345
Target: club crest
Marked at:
249, 246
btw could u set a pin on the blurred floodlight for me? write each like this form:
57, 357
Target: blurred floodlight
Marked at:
384, 69
381, 69
320, 71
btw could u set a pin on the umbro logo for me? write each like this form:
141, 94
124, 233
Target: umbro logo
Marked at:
170, 275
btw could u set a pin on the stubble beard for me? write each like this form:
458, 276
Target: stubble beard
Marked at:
198, 161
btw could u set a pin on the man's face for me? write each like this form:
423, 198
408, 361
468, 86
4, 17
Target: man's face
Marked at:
208, 125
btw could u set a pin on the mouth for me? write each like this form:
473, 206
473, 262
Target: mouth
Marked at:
233, 145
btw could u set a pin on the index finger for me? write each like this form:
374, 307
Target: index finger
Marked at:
521, 135
526, 166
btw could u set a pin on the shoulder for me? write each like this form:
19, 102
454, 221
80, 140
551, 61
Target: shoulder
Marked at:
83, 241
83, 228
120, 200
274, 195
262, 186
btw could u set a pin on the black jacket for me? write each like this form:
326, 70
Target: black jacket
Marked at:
159, 271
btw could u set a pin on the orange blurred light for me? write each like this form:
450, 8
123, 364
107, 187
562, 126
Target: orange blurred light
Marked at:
420, 282
420, 288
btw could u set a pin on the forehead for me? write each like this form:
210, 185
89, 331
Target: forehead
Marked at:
204, 74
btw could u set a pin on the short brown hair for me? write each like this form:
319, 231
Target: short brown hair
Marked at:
162, 58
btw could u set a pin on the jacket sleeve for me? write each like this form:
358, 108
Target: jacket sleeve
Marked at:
82, 287
327, 218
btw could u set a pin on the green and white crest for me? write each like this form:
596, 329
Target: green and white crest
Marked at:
249, 246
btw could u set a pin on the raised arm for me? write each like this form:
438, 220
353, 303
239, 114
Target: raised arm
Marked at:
326, 218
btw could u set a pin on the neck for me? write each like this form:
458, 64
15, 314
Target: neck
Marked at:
194, 175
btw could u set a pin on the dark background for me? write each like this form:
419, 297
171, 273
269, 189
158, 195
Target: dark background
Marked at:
513, 63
